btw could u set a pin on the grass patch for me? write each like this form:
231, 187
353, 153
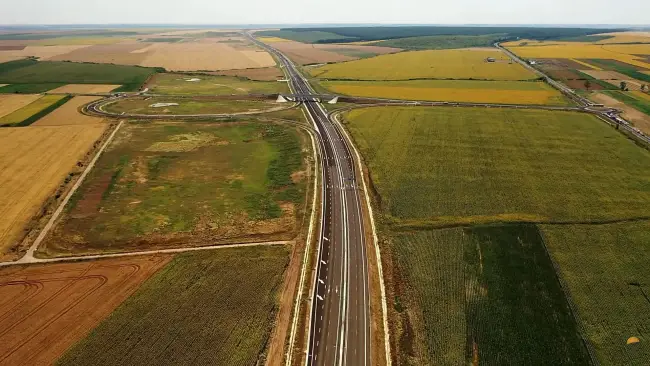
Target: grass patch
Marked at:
487, 295
29, 88
638, 103
511, 92
34, 72
142, 105
304, 36
434, 167
33, 111
606, 273
161, 183
212, 307
441, 42
178, 84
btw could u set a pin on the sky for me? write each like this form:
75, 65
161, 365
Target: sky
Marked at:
16, 12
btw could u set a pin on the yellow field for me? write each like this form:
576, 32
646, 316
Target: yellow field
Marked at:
580, 50
68, 114
453, 91
625, 37
273, 39
438, 64
85, 88
642, 95
67, 41
35, 161
30, 109
10, 103
586, 64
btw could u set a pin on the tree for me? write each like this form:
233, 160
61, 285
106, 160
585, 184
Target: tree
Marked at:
623, 85
587, 84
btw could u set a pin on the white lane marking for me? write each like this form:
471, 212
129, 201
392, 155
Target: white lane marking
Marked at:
321, 281
326, 239
322, 261
319, 297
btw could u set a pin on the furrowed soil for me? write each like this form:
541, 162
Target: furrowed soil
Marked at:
162, 185
46, 309
35, 161
636, 117
68, 114
205, 308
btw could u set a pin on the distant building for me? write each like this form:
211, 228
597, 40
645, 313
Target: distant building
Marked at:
532, 62
491, 59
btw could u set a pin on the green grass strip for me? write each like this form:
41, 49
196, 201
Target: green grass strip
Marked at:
35, 117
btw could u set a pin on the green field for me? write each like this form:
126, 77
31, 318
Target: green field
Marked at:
304, 36
142, 105
441, 42
35, 72
34, 110
487, 295
178, 84
606, 270
638, 103
163, 184
205, 308
29, 88
448, 166
468, 202
620, 67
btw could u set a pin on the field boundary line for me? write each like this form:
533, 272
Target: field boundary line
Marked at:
306, 256
141, 253
29, 256
384, 308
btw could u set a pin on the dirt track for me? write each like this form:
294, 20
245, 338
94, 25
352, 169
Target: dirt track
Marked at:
46, 309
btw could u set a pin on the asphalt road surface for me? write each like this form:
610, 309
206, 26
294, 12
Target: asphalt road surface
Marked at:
339, 332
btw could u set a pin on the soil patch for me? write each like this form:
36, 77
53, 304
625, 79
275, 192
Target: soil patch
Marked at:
45, 309
639, 119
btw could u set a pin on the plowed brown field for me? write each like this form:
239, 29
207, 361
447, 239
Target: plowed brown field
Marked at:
35, 161
68, 114
45, 309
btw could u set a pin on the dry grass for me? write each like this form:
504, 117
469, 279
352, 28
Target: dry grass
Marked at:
35, 161
259, 74
10, 103
68, 114
85, 88
305, 53
625, 37
437, 64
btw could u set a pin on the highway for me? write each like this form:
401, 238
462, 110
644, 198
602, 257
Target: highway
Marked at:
339, 327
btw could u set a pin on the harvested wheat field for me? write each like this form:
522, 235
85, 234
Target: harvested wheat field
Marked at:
68, 114
35, 161
119, 53
193, 56
10, 103
85, 88
45, 309
44, 53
